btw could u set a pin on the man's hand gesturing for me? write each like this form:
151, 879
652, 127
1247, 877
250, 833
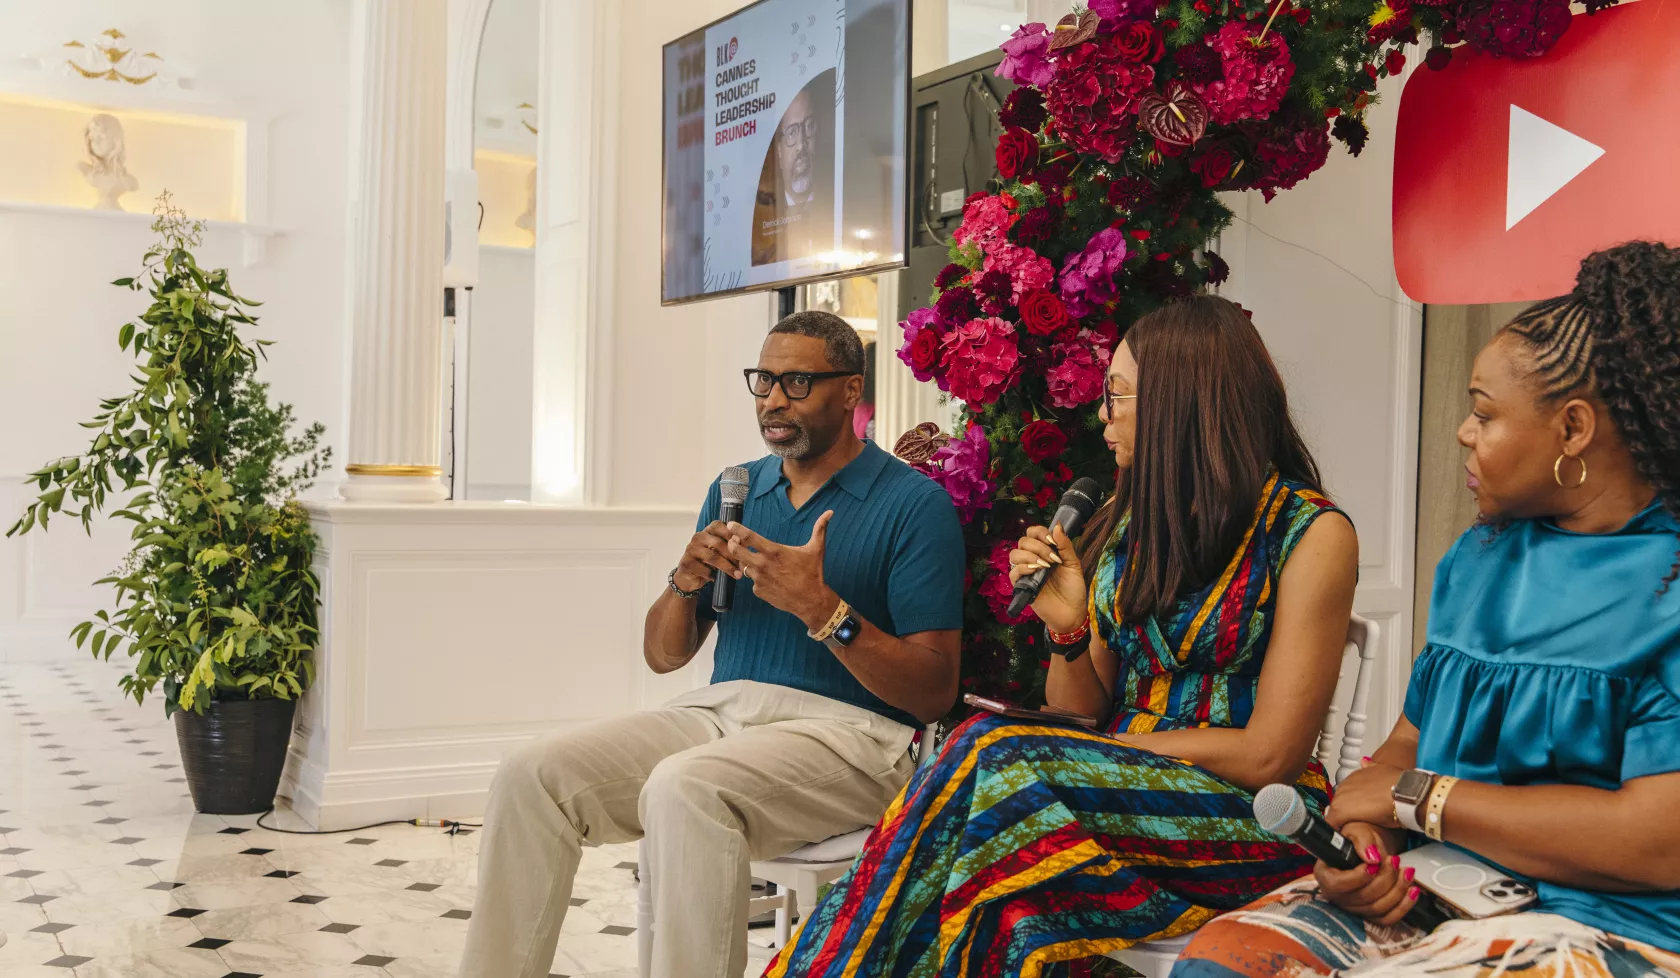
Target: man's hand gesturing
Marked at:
708, 550
788, 578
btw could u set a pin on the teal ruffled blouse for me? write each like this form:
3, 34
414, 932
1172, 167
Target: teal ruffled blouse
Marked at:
1552, 658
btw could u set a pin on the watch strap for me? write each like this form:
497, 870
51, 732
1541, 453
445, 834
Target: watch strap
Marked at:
822, 634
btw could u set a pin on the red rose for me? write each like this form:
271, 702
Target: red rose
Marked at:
1396, 62
924, 349
1045, 497
1139, 41
1017, 153
1214, 164
1042, 313
1042, 440
1023, 486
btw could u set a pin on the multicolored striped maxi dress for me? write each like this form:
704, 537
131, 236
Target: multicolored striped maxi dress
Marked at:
1024, 844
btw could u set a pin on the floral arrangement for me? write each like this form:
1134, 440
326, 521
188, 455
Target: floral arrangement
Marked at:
1130, 116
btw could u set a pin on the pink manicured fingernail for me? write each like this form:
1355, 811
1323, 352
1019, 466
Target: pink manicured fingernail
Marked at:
1413, 893
1395, 861
1372, 855
1371, 869
1366, 758
1410, 873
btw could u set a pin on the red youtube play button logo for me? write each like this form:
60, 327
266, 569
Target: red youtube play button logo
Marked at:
1507, 173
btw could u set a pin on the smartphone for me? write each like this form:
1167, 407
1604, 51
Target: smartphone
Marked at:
1048, 714
1464, 885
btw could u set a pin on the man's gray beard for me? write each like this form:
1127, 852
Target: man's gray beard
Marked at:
797, 449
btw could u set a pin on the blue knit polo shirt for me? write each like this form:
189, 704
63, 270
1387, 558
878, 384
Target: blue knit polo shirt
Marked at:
895, 553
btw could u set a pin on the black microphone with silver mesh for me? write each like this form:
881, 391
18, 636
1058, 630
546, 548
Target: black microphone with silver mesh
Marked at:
733, 484
1077, 505
1279, 809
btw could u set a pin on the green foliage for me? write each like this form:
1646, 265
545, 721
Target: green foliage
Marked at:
216, 599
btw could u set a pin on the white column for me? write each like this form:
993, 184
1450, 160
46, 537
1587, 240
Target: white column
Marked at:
397, 253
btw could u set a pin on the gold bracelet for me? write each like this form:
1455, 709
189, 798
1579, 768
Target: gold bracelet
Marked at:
1432, 821
834, 621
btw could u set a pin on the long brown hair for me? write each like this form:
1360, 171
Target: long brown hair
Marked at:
1212, 422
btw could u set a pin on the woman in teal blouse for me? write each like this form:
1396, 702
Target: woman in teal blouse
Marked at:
1550, 684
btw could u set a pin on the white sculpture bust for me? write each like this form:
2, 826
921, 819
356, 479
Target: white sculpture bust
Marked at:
105, 169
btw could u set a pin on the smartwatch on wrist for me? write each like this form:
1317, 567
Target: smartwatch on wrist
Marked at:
842, 629
1410, 792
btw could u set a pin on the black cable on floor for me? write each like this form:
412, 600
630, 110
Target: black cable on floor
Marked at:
434, 823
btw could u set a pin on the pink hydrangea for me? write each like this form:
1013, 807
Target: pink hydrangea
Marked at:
1088, 277
1028, 270
980, 360
1079, 374
1026, 56
997, 590
985, 222
1256, 76
961, 467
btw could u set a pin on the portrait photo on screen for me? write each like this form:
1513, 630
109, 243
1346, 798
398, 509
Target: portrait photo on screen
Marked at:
794, 214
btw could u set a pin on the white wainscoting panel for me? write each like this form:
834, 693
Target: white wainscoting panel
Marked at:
454, 632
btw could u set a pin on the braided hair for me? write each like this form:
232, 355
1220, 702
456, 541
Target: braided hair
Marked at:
1618, 336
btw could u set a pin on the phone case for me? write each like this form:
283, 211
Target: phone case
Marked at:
1046, 715
1464, 885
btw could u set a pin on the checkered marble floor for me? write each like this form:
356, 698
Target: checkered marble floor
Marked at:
106, 871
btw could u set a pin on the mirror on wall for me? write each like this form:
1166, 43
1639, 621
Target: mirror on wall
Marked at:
498, 370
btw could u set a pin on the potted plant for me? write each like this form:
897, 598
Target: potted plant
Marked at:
216, 601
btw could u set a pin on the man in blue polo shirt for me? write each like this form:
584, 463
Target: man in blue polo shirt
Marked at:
843, 637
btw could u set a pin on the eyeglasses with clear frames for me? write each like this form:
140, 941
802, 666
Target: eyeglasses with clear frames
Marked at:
1110, 396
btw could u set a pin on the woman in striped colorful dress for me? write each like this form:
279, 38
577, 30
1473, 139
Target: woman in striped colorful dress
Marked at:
1206, 617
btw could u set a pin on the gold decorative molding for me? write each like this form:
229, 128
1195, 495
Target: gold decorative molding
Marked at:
106, 58
411, 471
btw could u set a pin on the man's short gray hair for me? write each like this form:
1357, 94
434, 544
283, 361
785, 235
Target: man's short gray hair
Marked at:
840, 341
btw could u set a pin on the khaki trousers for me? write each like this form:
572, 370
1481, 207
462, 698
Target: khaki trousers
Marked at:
723, 775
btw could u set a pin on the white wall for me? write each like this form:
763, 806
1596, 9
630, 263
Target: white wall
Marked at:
677, 370
58, 324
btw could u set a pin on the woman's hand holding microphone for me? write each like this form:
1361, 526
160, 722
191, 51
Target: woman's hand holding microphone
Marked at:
1061, 603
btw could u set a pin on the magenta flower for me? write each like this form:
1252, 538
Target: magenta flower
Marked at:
1118, 13
961, 468
981, 360
1026, 56
985, 221
920, 351
1088, 277
1256, 77
1028, 271
997, 590
1079, 374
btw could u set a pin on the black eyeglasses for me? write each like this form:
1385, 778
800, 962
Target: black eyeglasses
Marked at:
796, 384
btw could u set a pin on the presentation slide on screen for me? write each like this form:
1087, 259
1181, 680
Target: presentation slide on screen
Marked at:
784, 145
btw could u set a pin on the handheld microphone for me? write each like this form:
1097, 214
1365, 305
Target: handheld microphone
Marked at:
733, 484
1077, 505
1279, 808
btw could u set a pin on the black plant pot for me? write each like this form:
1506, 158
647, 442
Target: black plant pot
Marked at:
234, 753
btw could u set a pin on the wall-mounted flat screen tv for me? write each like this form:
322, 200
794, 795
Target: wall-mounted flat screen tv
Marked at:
786, 128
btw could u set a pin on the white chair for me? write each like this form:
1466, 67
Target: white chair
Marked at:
797, 876
1153, 959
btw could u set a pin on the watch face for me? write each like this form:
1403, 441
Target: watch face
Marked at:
1412, 785
847, 630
